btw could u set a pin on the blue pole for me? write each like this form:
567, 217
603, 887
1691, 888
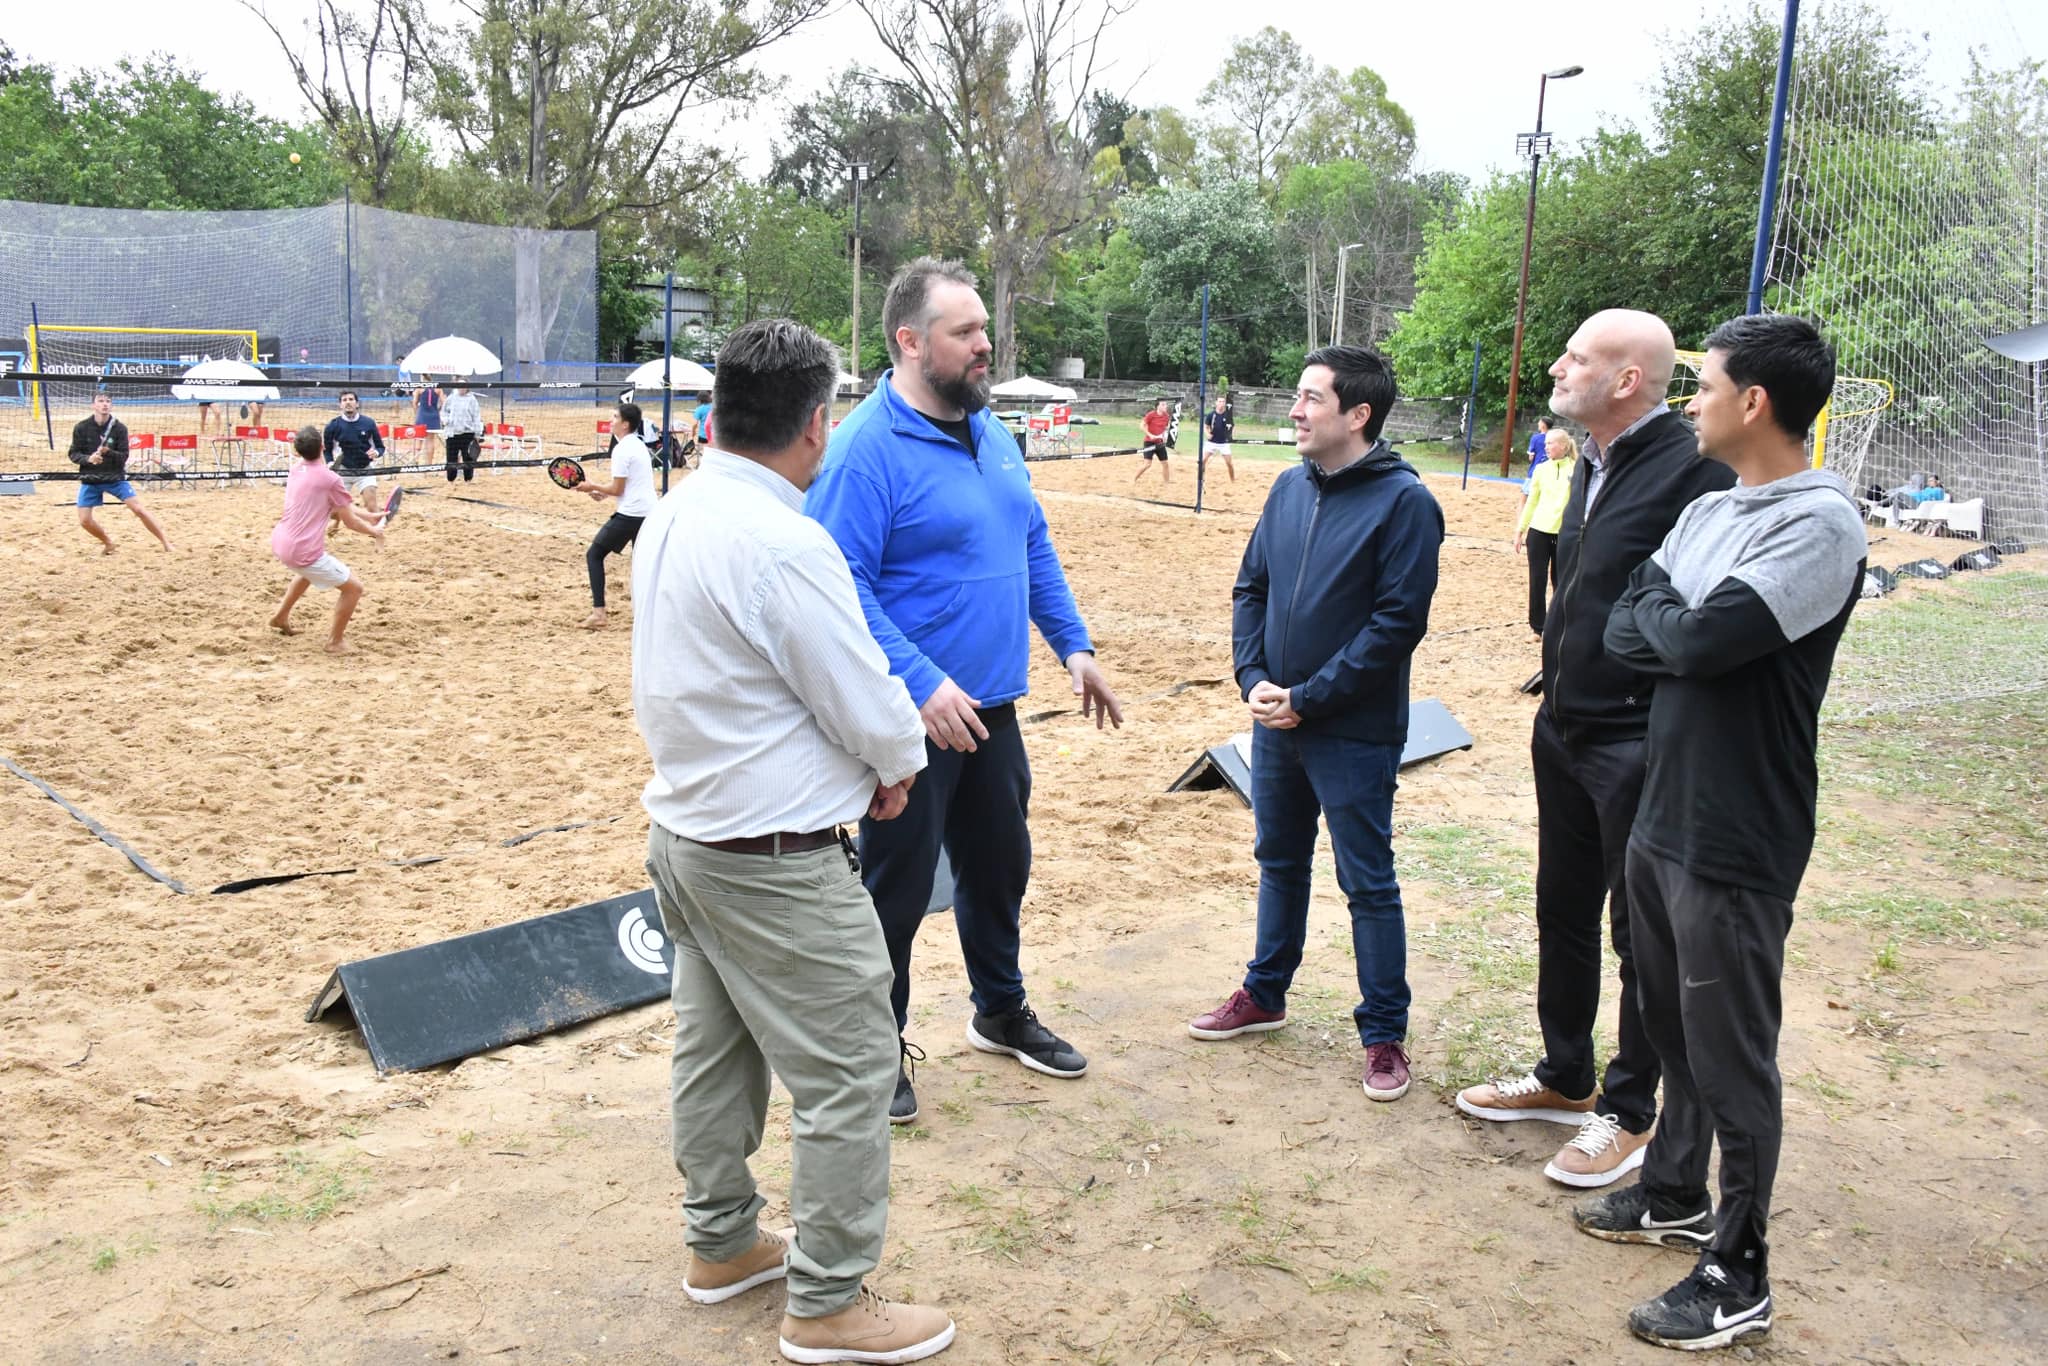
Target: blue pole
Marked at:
668, 346
1471, 417
1767, 204
1202, 399
35, 325
348, 276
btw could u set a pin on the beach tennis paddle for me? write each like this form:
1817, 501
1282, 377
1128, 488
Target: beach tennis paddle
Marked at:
565, 471
391, 508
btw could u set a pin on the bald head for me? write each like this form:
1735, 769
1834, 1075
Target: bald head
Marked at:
1616, 368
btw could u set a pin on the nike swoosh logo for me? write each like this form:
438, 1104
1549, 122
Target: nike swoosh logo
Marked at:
1730, 1320
1648, 1222
1709, 982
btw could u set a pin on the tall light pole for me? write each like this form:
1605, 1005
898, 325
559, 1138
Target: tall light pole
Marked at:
1532, 145
859, 171
1337, 323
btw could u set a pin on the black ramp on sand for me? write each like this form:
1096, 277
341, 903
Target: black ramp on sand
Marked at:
436, 1003
1432, 731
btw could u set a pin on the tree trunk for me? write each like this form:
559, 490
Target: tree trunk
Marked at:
529, 298
1003, 321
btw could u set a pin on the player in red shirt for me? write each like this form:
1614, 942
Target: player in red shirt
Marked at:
1157, 424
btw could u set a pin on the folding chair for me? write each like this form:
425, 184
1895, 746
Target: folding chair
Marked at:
178, 453
1061, 438
143, 456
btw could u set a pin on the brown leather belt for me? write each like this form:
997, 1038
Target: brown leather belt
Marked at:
780, 843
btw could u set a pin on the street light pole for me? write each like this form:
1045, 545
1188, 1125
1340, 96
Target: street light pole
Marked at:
1337, 324
859, 170
1533, 145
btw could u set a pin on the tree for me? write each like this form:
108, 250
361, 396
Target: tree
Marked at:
152, 137
1260, 96
1009, 97
1220, 236
1350, 118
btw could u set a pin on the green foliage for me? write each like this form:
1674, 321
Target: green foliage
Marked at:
622, 310
150, 136
1222, 237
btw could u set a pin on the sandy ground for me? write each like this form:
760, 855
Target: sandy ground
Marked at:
192, 1172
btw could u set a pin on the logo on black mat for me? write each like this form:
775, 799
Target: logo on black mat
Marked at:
641, 942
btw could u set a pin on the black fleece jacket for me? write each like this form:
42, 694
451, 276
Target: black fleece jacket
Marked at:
1652, 474
1334, 593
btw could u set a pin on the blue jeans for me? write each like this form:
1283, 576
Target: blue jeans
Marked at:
1297, 774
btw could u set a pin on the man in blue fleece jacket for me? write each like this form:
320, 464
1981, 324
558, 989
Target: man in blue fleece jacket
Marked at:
927, 495
1332, 600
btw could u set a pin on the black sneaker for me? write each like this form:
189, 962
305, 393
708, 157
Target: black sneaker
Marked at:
1627, 1216
1020, 1035
1705, 1310
903, 1106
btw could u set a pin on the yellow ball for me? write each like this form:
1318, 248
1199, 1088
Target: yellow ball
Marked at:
295, 158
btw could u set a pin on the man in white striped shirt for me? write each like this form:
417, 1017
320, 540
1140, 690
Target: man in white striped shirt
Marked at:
772, 720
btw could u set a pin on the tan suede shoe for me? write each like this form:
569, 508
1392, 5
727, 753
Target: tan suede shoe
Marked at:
767, 1260
869, 1329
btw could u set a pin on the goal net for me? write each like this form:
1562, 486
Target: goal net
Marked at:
1911, 227
91, 350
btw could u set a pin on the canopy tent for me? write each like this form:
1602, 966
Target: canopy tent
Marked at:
683, 375
450, 356
224, 393
1025, 387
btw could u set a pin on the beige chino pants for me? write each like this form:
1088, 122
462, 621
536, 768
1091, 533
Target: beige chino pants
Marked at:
780, 964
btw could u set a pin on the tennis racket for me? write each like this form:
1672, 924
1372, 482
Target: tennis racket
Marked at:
565, 472
391, 508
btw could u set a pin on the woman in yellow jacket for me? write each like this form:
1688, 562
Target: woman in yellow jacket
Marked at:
1550, 487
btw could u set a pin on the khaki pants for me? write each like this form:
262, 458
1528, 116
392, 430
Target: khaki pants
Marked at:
780, 964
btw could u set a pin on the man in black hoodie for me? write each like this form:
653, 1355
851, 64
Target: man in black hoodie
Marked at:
1642, 466
1331, 601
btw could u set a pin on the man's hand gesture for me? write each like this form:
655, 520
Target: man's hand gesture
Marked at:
949, 718
1092, 687
1272, 706
888, 802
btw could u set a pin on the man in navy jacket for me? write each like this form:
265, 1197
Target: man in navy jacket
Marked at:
1331, 601
927, 495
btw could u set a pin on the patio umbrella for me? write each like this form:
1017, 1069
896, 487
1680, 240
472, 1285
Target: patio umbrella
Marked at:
847, 381
450, 356
683, 374
224, 393
1025, 387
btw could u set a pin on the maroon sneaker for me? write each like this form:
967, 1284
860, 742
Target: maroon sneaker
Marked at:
1238, 1015
1386, 1071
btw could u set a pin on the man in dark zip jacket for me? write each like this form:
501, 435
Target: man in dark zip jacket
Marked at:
1642, 467
1331, 601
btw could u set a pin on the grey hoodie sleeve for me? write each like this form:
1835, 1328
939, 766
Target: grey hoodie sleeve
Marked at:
1789, 584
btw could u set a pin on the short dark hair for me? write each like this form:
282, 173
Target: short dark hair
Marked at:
1783, 355
1543, 423
629, 413
908, 302
1361, 376
348, 393
771, 376
306, 441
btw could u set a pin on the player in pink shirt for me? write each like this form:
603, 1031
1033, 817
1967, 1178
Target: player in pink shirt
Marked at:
313, 493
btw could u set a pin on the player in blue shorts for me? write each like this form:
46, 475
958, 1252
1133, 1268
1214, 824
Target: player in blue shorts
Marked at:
99, 447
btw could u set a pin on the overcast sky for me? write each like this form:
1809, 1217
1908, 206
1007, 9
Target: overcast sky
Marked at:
1466, 70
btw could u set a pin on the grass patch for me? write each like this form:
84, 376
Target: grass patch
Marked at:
1005, 1230
1904, 916
1360, 1277
306, 1192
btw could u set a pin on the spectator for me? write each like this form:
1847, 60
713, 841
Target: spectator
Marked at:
1550, 488
1539, 444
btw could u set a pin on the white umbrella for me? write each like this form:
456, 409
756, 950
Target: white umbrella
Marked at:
1028, 388
450, 356
682, 374
224, 393
847, 381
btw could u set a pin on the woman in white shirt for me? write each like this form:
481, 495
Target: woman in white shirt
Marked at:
633, 485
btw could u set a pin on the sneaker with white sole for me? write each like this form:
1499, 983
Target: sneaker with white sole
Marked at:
1629, 1215
767, 1260
1601, 1154
869, 1329
1512, 1098
1704, 1311
1386, 1071
1020, 1035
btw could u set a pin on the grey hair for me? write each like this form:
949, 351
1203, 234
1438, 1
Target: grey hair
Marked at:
771, 376
909, 300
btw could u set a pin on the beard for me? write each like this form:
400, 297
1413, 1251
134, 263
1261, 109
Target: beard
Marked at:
969, 397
